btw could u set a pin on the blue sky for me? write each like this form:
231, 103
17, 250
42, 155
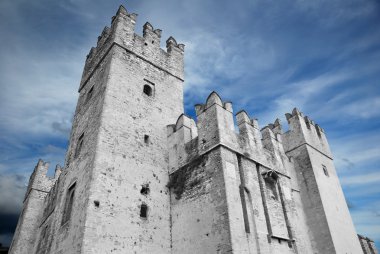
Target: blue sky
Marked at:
265, 56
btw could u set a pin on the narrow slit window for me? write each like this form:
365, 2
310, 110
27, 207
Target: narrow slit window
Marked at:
325, 171
89, 94
68, 204
144, 211
79, 145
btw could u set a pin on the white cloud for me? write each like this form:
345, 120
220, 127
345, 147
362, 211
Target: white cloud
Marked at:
367, 220
362, 179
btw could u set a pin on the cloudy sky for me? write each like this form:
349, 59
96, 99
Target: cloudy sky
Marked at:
265, 56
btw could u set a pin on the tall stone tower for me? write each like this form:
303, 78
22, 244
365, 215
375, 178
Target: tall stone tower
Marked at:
117, 161
328, 219
142, 177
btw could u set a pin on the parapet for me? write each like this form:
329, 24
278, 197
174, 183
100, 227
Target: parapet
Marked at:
212, 99
147, 47
367, 244
302, 129
179, 136
215, 127
39, 180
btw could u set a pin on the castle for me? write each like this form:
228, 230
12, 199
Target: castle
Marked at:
142, 177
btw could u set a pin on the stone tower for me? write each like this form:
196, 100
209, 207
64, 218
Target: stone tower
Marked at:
328, 218
117, 161
142, 177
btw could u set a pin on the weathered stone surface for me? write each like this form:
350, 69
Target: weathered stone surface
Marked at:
142, 177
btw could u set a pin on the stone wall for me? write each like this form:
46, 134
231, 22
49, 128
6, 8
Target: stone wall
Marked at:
142, 177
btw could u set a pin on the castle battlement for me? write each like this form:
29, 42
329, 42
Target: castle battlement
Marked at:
39, 180
147, 47
303, 130
142, 177
214, 127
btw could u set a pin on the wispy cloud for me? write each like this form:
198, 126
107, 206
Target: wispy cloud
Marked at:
362, 179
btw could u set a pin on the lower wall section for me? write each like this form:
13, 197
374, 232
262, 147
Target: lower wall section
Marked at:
199, 207
217, 207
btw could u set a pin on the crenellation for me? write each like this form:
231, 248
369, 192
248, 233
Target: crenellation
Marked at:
179, 135
172, 46
39, 180
140, 176
57, 171
152, 36
103, 37
122, 33
249, 133
268, 138
303, 130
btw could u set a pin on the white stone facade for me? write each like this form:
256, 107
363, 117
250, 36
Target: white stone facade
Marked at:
142, 177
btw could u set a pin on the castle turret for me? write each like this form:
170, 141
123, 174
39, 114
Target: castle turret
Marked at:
179, 135
249, 129
215, 123
328, 219
29, 221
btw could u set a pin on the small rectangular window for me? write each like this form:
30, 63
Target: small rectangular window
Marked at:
149, 88
144, 211
68, 204
146, 139
325, 171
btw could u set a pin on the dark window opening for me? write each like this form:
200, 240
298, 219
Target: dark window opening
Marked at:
325, 170
144, 211
152, 42
96, 203
145, 189
146, 139
68, 204
146, 44
79, 146
148, 90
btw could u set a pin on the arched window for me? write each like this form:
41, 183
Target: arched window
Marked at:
68, 204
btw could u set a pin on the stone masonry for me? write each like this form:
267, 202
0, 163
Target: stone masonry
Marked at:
142, 177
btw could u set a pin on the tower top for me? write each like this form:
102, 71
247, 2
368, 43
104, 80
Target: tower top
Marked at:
121, 33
